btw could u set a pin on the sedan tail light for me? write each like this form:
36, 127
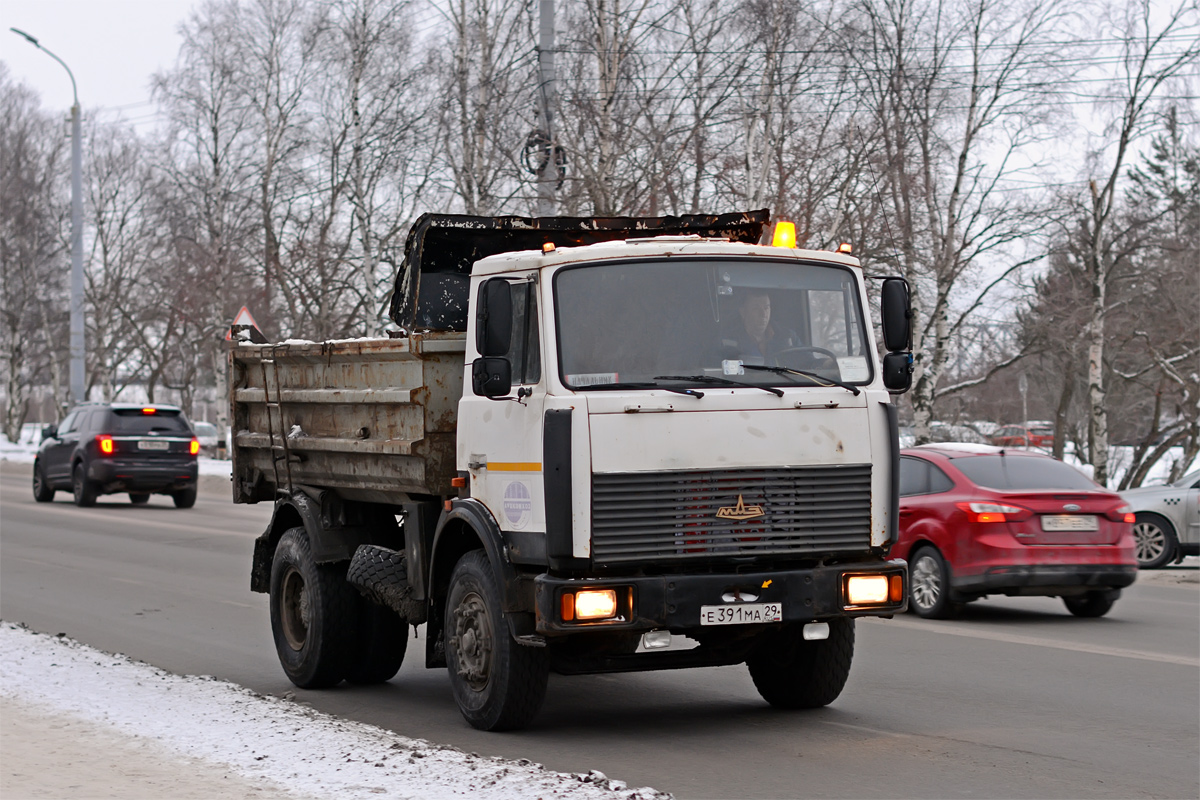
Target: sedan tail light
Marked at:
105, 443
994, 512
1121, 514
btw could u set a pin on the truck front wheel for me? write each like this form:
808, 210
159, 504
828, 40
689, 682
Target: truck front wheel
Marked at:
497, 683
312, 614
790, 672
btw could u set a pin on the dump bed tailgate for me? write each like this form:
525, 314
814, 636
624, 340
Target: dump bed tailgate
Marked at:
372, 419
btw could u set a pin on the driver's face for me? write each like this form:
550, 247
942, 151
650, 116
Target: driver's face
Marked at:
756, 314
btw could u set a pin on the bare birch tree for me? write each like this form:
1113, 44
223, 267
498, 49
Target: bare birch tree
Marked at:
1148, 62
952, 97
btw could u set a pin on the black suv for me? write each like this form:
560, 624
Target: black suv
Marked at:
105, 448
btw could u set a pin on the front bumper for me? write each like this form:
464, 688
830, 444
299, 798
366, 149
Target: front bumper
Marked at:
1046, 579
673, 602
114, 475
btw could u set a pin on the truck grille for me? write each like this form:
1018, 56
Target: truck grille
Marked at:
673, 516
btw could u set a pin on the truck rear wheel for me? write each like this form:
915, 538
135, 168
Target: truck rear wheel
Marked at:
497, 683
381, 641
312, 614
790, 672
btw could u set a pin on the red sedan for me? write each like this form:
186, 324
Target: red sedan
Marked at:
977, 520
1019, 436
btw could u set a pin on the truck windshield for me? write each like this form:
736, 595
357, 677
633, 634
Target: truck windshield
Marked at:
640, 321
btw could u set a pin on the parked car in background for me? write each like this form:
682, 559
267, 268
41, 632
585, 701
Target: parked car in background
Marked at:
206, 432
106, 448
1167, 521
978, 520
1038, 434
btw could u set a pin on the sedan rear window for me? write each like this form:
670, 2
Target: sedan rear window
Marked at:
1006, 472
135, 421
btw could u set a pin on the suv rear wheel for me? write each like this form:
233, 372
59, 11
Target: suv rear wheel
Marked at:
185, 498
84, 490
43, 492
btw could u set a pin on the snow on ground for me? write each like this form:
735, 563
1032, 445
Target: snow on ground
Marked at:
266, 740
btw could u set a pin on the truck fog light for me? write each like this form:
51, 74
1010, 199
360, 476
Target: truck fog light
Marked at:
866, 590
595, 603
815, 631
656, 640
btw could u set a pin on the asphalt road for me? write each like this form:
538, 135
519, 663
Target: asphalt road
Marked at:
1015, 699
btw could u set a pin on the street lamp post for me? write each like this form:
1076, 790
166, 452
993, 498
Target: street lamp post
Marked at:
77, 336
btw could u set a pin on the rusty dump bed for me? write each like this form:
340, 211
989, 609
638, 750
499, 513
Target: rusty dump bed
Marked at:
372, 419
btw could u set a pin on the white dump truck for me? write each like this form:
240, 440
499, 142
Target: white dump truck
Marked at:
596, 445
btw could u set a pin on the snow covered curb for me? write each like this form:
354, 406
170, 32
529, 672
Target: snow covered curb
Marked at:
266, 738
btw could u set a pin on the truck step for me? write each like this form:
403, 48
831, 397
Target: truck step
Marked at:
381, 575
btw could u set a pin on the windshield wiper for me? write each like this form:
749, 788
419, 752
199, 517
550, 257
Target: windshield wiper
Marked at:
719, 381
640, 385
820, 380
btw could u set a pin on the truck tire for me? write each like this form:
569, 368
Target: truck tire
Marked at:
83, 489
497, 684
381, 639
312, 614
790, 672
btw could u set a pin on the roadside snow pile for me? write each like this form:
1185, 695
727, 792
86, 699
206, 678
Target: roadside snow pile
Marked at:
266, 738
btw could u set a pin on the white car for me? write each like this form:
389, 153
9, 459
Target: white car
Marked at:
206, 433
1167, 521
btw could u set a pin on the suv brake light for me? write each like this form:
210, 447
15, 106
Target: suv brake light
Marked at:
194, 447
994, 512
106, 444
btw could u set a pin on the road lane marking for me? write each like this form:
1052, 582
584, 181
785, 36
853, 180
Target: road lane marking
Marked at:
1012, 638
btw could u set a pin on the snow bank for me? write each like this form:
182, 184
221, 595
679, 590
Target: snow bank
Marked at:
266, 738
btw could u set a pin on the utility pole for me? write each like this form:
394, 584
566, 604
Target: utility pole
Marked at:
77, 344
548, 174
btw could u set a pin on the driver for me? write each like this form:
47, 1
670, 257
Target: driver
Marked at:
758, 339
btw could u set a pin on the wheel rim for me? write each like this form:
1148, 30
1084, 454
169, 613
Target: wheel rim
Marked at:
1149, 540
472, 640
926, 582
295, 609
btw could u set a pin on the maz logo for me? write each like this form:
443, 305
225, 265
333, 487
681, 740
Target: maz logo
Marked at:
740, 512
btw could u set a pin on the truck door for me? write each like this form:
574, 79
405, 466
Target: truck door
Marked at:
502, 438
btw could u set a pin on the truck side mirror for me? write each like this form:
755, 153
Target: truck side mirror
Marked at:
493, 326
49, 431
491, 376
896, 313
897, 372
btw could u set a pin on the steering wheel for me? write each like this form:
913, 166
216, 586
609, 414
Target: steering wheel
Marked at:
818, 351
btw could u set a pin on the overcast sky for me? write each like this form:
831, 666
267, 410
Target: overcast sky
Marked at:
112, 46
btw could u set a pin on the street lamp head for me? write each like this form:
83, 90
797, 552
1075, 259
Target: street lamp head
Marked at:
29, 38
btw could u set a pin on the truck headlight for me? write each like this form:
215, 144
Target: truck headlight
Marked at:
589, 604
865, 590
875, 589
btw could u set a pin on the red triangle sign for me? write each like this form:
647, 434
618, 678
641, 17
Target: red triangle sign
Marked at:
244, 317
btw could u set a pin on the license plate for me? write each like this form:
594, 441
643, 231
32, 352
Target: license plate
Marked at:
741, 613
151, 444
1070, 522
